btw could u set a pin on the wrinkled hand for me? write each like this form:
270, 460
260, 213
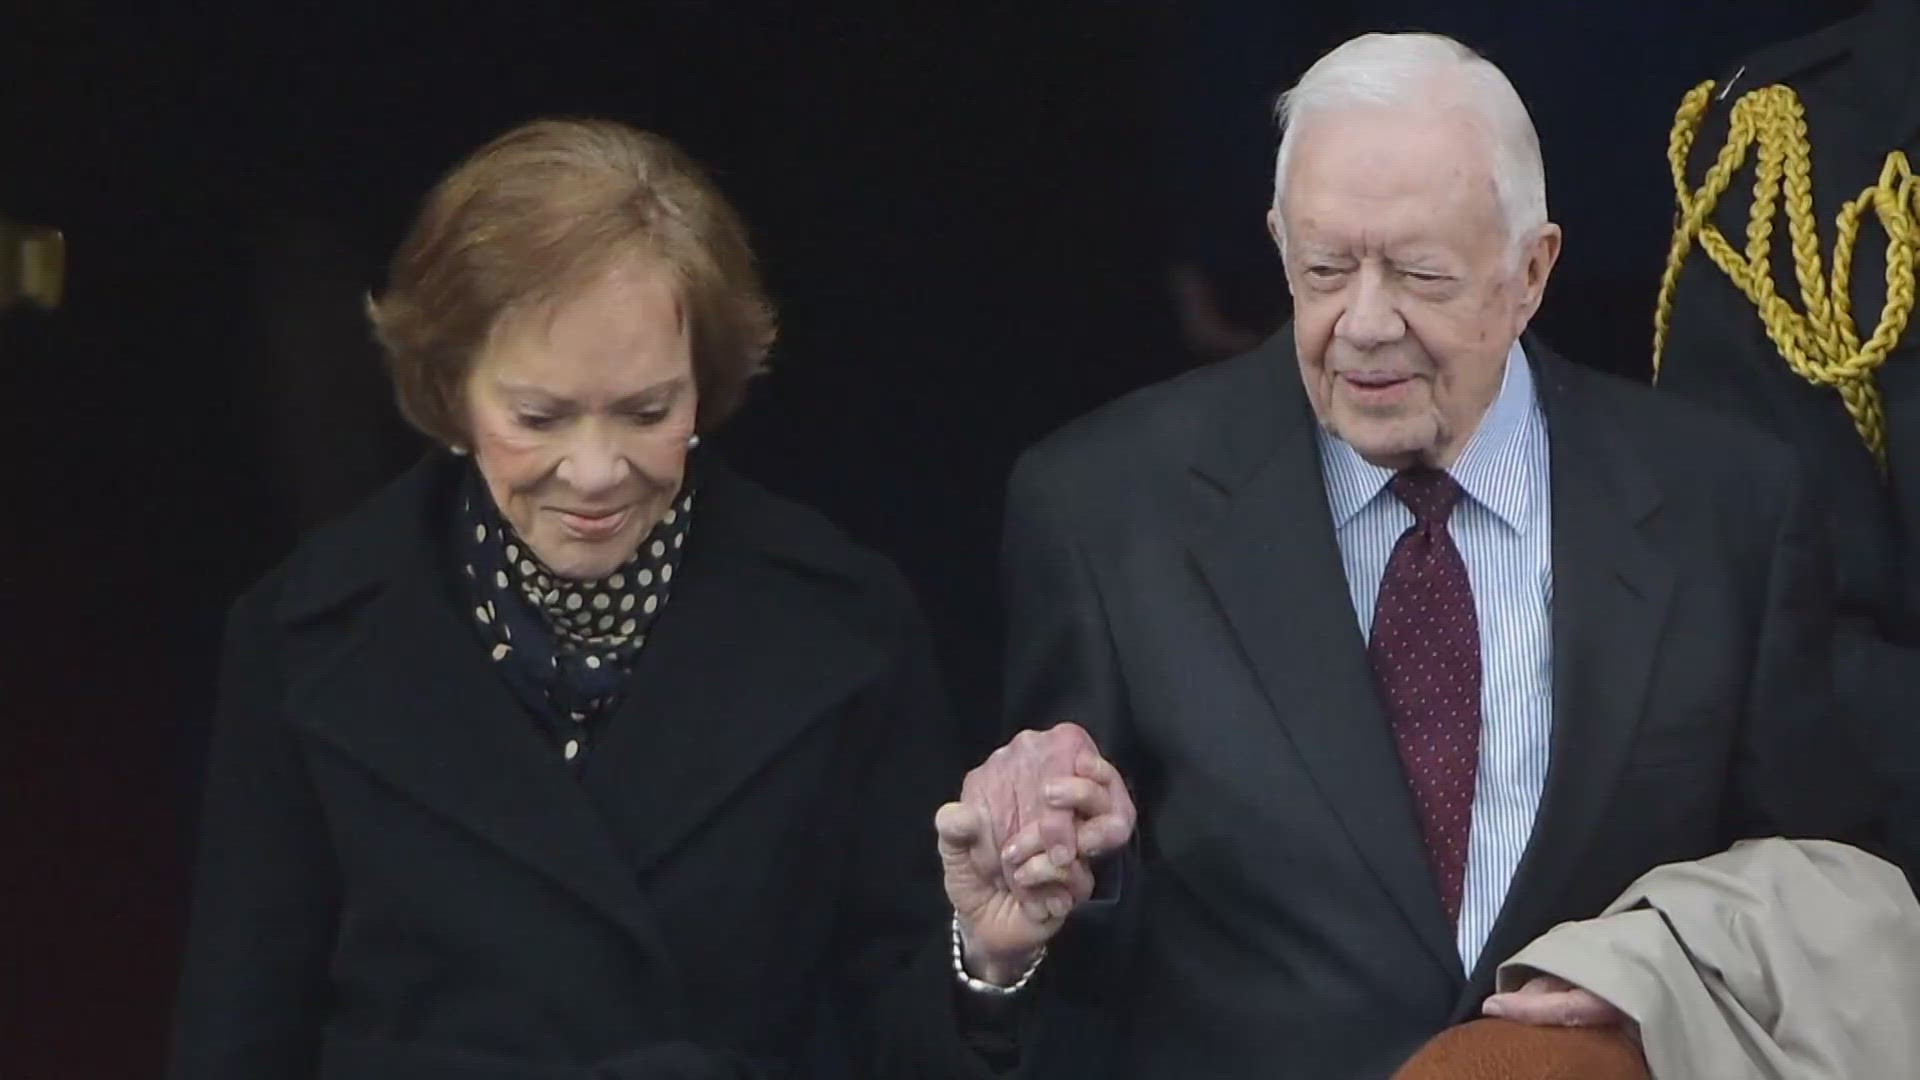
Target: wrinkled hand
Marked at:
1548, 1001
1018, 845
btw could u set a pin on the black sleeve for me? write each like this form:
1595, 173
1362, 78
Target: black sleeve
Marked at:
1718, 354
254, 987
1880, 680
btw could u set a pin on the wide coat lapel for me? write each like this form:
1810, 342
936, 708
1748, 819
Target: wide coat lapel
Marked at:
762, 641
1273, 565
385, 670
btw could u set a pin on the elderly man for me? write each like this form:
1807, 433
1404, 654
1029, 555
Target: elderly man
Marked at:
1409, 639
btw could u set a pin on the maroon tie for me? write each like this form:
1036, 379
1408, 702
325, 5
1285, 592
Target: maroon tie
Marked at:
1426, 655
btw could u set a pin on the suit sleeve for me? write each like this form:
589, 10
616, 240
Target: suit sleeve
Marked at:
1061, 666
1060, 663
254, 985
1803, 767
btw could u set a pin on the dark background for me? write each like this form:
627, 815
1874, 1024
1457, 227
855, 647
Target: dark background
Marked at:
970, 216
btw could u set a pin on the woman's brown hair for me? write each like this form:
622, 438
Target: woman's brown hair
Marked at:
537, 216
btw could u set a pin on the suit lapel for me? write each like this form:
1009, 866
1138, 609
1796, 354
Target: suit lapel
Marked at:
1611, 589
1274, 568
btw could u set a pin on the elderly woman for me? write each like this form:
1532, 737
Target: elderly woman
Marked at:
572, 753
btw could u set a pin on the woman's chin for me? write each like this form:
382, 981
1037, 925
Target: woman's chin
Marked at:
586, 560
593, 569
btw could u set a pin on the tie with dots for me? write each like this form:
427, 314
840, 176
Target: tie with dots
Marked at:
1426, 656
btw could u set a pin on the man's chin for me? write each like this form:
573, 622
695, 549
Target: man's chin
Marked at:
1385, 447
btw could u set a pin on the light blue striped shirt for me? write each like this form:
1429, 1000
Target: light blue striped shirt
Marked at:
1504, 531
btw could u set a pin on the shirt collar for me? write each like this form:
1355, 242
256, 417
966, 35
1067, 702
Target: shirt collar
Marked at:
1490, 468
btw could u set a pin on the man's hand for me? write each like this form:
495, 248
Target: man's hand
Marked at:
1017, 846
1547, 1001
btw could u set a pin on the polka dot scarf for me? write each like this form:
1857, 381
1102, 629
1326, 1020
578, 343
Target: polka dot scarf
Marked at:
564, 646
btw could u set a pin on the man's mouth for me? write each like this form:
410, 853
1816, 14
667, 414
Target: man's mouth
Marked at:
1373, 379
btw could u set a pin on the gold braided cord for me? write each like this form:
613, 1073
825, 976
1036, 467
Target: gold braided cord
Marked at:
1820, 341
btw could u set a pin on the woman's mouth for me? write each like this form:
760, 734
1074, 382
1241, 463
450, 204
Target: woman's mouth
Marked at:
594, 525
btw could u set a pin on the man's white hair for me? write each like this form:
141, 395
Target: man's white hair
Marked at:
1406, 69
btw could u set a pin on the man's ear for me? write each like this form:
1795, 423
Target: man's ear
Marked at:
1537, 260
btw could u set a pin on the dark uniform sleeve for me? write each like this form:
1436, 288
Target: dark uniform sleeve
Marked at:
1795, 772
1718, 352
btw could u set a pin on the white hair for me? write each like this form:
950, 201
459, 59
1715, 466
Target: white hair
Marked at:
1404, 69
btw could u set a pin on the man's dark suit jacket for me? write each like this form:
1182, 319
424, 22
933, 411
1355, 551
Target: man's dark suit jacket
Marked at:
400, 879
1175, 586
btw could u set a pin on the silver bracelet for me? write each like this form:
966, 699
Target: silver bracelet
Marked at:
981, 986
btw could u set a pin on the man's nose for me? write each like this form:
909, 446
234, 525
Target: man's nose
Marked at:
1372, 318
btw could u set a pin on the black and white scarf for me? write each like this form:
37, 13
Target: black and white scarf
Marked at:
565, 647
